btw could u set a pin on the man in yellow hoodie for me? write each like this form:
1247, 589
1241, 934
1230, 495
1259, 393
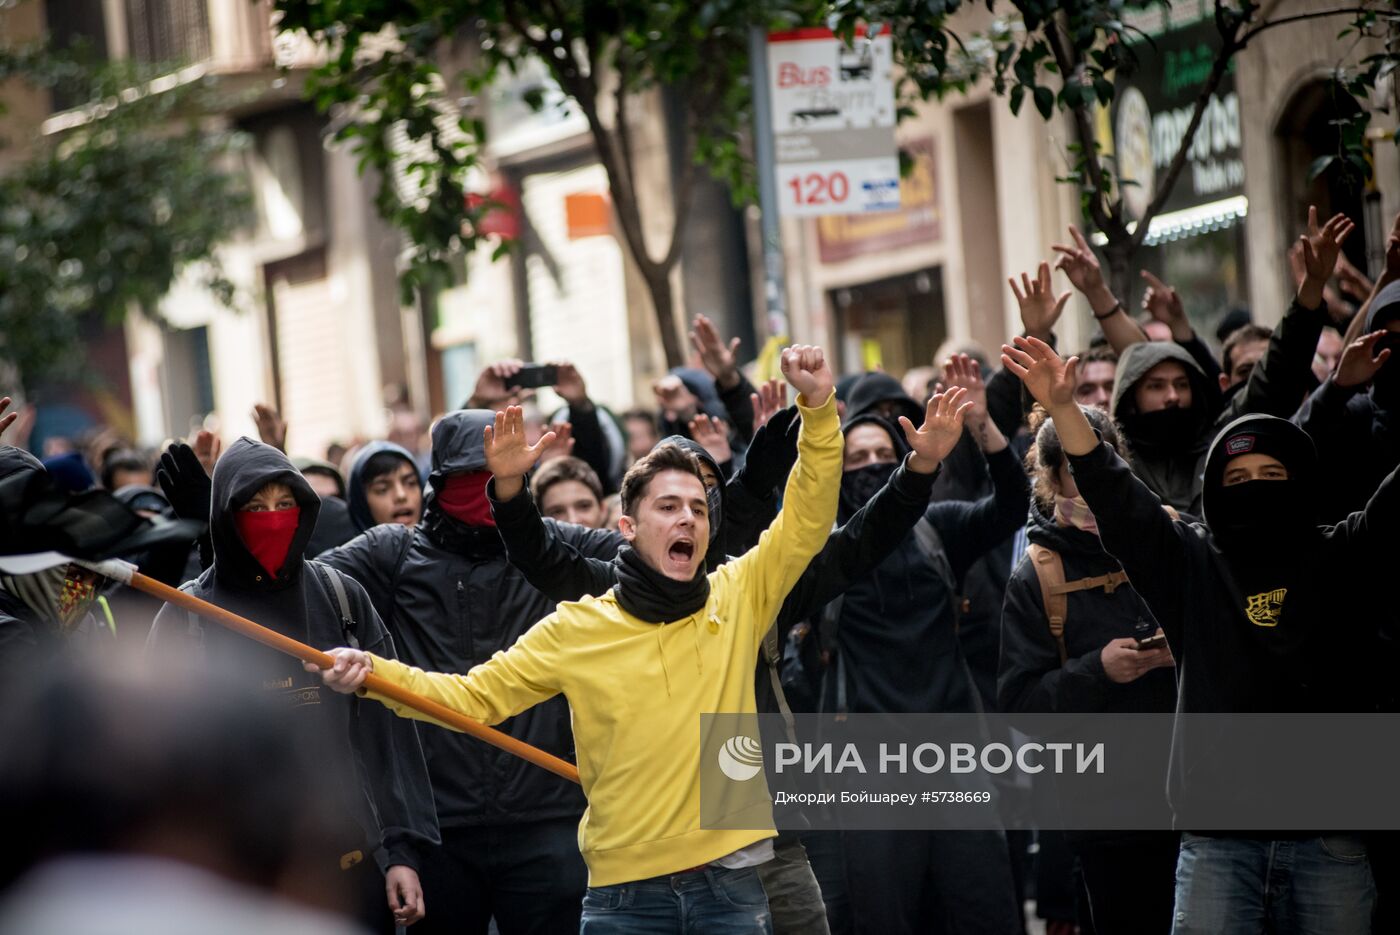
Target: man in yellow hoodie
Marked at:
640, 664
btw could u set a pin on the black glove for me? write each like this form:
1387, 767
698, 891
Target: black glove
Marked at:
184, 482
771, 454
190, 492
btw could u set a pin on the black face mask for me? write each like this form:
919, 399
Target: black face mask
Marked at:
859, 485
1167, 430
1268, 539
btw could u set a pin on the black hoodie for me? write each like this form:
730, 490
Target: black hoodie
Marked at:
376, 765
1297, 641
452, 601
897, 631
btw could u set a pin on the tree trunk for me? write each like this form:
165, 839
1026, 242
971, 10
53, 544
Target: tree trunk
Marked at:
1119, 254
663, 303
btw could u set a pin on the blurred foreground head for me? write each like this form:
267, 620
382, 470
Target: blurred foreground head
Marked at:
105, 757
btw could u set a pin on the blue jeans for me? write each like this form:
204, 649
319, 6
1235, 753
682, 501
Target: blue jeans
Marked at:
1243, 886
713, 901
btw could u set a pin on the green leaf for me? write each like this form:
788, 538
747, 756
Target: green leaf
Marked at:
1044, 101
1319, 166
1018, 96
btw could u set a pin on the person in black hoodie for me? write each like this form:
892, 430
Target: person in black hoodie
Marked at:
1248, 602
1091, 665
261, 517
384, 487
897, 651
543, 549
452, 601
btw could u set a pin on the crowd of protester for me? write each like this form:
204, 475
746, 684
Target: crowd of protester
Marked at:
1146, 524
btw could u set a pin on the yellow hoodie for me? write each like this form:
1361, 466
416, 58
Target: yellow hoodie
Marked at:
636, 690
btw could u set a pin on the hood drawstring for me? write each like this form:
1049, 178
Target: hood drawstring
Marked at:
693, 621
661, 651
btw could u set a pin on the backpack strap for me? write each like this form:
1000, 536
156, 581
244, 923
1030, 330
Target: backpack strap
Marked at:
394, 578
332, 577
1050, 573
771, 657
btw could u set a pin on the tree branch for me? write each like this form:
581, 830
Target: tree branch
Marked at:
681, 203
1298, 18
623, 130
1229, 46
1106, 220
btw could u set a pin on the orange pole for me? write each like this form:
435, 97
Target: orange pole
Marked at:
374, 683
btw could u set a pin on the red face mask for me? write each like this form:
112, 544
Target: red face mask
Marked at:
268, 535
463, 497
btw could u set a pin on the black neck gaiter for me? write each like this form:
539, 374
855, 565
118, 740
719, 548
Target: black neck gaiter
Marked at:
1165, 431
648, 595
1270, 544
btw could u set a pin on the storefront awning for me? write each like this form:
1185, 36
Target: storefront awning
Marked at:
1188, 222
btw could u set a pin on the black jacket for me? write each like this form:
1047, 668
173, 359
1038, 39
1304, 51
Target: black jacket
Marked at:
1224, 664
452, 601
1031, 678
897, 627
375, 767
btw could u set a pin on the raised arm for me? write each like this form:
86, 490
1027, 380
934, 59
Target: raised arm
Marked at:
1132, 524
768, 571
879, 526
1282, 377
1078, 262
589, 443
719, 359
1323, 415
561, 561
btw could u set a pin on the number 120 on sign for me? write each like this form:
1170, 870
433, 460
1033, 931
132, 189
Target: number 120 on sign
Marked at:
852, 186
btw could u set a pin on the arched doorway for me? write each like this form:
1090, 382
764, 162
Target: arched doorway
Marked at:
1305, 132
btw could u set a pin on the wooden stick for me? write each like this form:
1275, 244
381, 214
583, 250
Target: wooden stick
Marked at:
374, 683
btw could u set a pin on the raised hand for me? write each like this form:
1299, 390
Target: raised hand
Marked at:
961, 370
185, 481
713, 436
1163, 303
770, 399
271, 429
943, 424
717, 358
491, 391
1320, 248
676, 402
1040, 308
6, 420
508, 454
1048, 378
207, 448
563, 444
805, 368
570, 387
1078, 262
1360, 362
